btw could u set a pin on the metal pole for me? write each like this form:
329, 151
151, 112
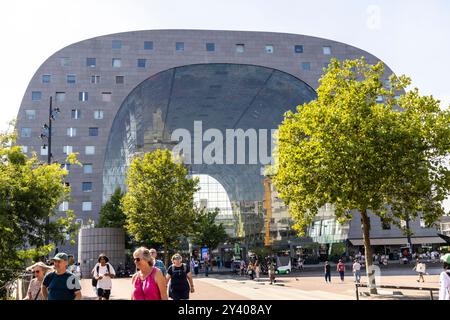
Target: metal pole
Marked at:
49, 160
357, 292
409, 235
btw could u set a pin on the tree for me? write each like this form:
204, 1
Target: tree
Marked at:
159, 201
29, 193
206, 232
111, 213
348, 148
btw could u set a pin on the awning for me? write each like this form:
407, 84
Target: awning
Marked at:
446, 238
398, 241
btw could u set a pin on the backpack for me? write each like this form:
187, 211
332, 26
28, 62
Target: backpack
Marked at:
181, 281
94, 281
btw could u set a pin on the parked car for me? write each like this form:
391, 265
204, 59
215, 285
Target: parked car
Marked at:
284, 269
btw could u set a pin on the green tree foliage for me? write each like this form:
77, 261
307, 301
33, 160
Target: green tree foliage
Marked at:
111, 213
29, 193
159, 201
206, 231
350, 149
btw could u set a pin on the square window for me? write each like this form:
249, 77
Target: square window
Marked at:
106, 96
141, 63
240, 48
71, 132
87, 168
86, 206
25, 132
327, 50
65, 62
91, 62
87, 186
83, 96
120, 79
24, 149
298, 48
60, 96
148, 45
46, 78
36, 95
98, 114
179, 46
93, 132
116, 62
30, 114
269, 48
44, 151
95, 79
306, 66
71, 78
76, 114
64, 206
385, 224
89, 150
210, 47
116, 44
67, 149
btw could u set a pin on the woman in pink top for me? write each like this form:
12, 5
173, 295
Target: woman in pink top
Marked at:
149, 282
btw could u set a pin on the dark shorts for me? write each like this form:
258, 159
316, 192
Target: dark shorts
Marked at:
179, 294
103, 293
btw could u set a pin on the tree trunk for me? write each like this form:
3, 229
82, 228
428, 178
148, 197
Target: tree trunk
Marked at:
368, 252
166, 255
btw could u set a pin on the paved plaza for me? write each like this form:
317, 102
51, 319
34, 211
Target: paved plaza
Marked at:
297, 286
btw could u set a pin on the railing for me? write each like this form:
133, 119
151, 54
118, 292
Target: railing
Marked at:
360, 285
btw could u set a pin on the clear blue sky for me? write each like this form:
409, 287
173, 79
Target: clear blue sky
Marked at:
411, 36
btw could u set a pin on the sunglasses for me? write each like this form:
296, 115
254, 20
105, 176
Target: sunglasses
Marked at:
137, 259
36, 271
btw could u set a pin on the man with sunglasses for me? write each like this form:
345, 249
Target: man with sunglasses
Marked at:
61, 284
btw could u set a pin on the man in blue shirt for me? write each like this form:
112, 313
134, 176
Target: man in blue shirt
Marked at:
158, 263
61, 284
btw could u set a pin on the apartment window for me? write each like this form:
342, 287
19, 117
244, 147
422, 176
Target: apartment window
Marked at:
120, 79
148, 45
91, 62
306, 66
210, 47
86, 206
327, 50
269, 48
76, 114
95, 79
116, 44
36, 95
93, 132
298, 48
86, 186
106, 96
89, 150
65, 62
30, 114
67, 149
24, 149
71, 132
141, 63
44, 151
25, 132
64, 206
116, 62
240, 48
83, 96
71, 78
87, 168
98, 114
46, 78
60, 96
179, 46
385, 224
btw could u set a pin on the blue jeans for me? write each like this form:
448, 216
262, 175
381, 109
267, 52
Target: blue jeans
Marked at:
206, 270
328, 276
358, 276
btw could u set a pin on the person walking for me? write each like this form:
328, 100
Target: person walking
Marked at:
196, 265
61, 284
257, 269
158, 263
341, 269
103, 273
39, 271
271, 267
179, 279
327, 269
420, 268
357, 271
444, 278
148, 282
250, 270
